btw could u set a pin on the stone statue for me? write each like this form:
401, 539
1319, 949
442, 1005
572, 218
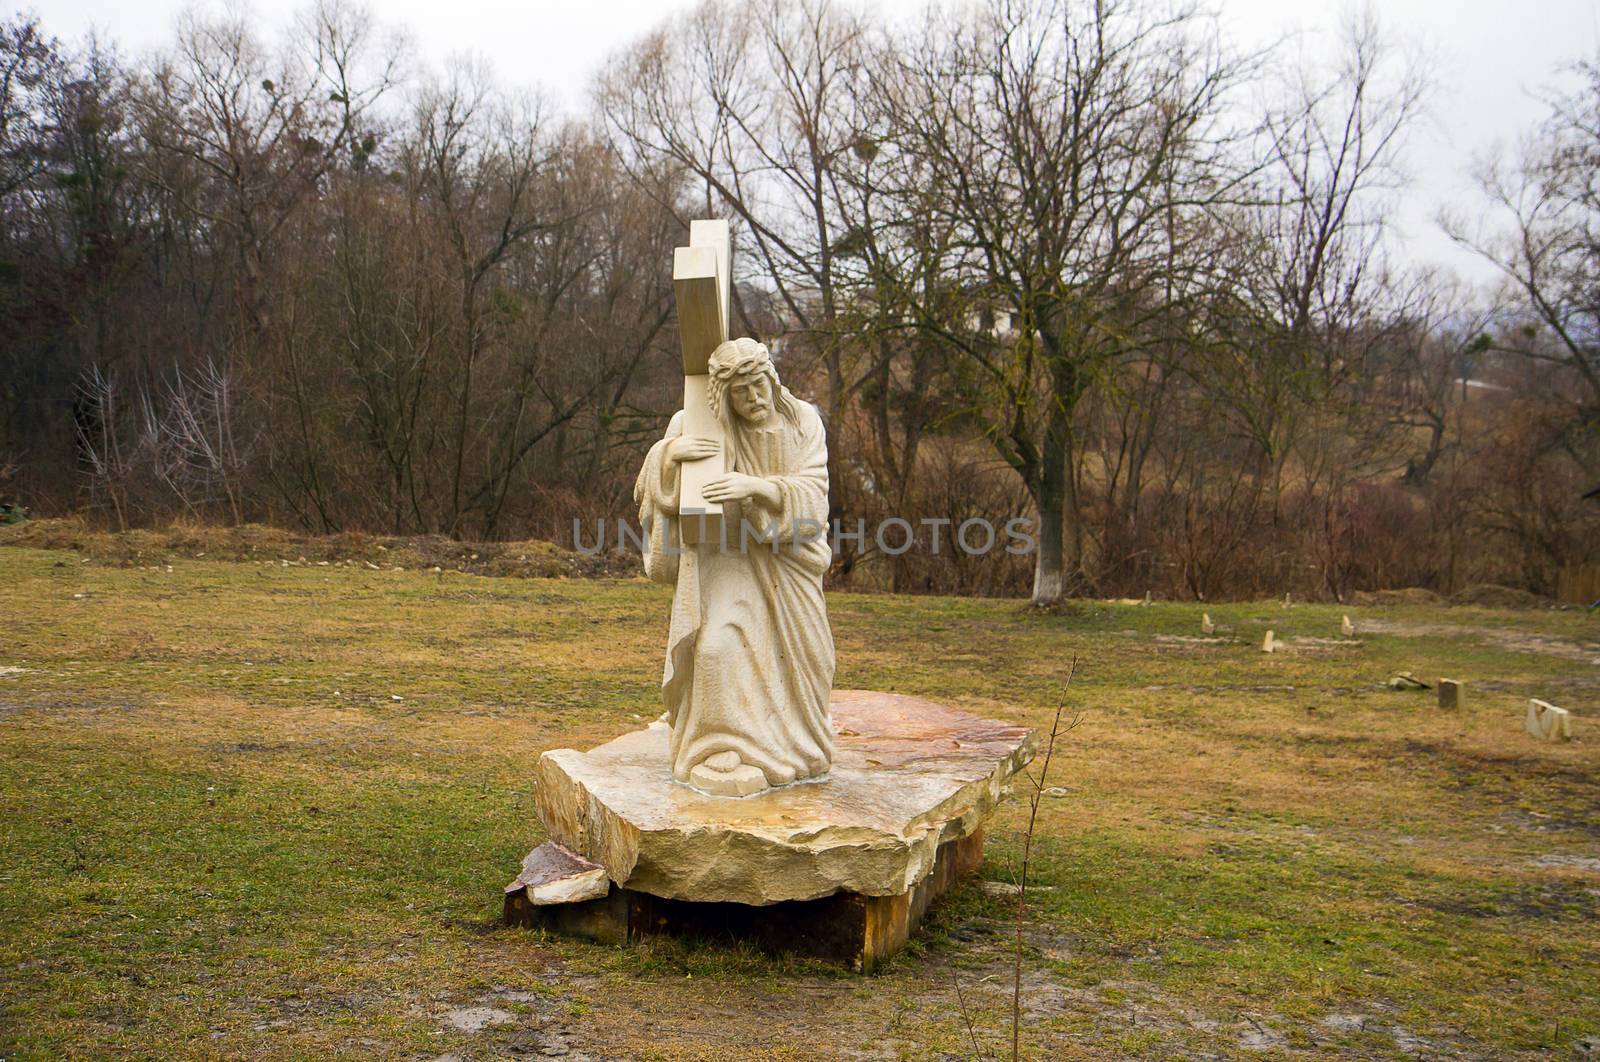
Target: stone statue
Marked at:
749, 666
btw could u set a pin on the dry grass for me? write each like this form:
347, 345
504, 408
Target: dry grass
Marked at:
255, 810
256, 542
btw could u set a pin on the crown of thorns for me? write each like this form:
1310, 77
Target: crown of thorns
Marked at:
736, 357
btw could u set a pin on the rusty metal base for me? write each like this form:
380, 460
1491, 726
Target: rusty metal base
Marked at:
857, 931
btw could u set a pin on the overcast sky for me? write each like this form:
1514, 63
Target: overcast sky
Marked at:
1489, 59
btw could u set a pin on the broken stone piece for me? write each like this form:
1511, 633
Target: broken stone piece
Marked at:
1407, 681
1451, 693
1269, 644
554, 873
1206, 626
1549, 723
1347, 628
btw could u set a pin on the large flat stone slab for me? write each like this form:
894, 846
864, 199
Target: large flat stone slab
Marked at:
908, 775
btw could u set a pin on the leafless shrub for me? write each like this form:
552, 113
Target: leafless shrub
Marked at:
109, 456
201, 450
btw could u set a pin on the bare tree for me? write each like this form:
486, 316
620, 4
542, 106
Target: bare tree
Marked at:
246, 137
109, 453
759, 102
1548, 247
202, 450
1064, 142
1435, 353
479, 162
29, 61
1306, 305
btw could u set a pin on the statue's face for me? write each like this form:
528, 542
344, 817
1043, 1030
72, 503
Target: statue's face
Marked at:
751, 395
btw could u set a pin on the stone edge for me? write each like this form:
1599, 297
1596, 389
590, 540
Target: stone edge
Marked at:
813, 870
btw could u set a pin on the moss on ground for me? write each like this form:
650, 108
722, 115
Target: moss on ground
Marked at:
255, 810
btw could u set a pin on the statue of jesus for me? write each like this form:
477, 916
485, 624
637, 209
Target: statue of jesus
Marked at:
749, 665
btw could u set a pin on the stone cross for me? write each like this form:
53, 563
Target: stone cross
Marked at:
702, 285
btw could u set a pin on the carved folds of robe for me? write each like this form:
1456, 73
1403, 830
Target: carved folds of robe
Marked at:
750, 658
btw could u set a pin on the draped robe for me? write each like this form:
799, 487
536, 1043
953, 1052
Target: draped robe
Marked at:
750, 656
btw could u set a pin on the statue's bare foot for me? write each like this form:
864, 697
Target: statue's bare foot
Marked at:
724, 774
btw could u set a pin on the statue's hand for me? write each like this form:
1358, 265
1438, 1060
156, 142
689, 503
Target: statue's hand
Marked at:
689, 448
736, 486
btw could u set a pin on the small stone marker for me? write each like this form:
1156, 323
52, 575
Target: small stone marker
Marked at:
1147, 597
1452, 693
1347, 628
1206, 626
1268, 644
1286, 603
1549, 723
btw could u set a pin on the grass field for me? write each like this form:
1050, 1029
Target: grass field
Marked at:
251, 810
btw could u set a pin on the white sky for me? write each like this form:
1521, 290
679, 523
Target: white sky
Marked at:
1488, 59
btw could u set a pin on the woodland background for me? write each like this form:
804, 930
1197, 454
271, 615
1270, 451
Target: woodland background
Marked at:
1084, 262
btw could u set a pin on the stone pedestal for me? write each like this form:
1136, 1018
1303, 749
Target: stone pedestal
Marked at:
843, 867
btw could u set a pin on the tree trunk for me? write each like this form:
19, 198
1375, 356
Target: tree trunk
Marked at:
1050, 563
1048, 570
1417, 470
1073, 522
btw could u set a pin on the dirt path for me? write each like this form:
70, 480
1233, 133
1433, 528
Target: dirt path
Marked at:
1500, 637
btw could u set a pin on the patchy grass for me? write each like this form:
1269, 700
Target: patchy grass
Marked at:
255, 810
